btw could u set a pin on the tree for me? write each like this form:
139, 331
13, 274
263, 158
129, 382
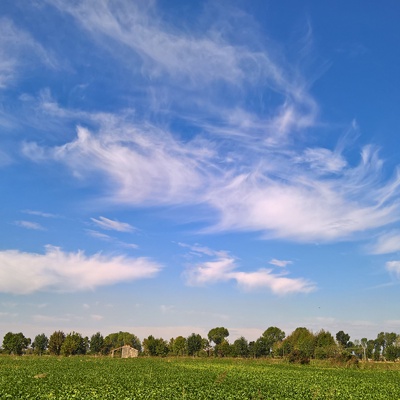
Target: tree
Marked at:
150, 345
40, 344
15, 343
119, 339
217, 335
271, 336
324, 344
178, 346
73, 344
96, 343
241, 347
56, 341
300, 343
194, 344
342, 338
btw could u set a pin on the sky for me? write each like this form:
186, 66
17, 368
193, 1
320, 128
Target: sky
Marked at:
167, 167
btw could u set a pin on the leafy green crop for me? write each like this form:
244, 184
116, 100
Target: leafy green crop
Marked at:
152, 378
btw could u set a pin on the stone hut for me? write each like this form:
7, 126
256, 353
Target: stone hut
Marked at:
126, 352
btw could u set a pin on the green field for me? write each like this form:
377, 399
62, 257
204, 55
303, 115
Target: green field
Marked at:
46, 377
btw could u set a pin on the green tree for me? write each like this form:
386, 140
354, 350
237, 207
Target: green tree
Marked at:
73, 344
15, 343
194, 344
96, 343
150, 346
241, 347
300, 343
217, 335
271, 336
342, 338
56, 341
324, 345
178, 346
119, 339
40, 344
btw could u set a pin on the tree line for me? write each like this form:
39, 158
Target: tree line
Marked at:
300, 346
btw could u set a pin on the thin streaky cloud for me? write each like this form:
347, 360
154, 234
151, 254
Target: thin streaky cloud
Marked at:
280, 263
386, 243
40, 214
30, 225
112, 225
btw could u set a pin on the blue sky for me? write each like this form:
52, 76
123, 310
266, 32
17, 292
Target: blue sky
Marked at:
172, 166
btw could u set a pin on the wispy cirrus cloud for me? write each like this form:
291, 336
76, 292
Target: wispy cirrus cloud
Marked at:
225, 270
30, 225
241, 163
112, 225
58, 271
16, 48
40, 214
386, 243
111, 239
280, 263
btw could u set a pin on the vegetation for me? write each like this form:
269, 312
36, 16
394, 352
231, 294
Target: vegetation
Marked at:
301, 346
84, 378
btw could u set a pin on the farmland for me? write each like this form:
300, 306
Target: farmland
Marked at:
49, 377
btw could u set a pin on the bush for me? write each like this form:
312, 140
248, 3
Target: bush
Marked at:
298, 357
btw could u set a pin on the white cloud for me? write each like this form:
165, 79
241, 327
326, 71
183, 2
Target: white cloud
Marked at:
112, 225
23, 273
242, 164
30, 225
393, 267
225, 269
387, 243
18, 50
40, 214
280, 263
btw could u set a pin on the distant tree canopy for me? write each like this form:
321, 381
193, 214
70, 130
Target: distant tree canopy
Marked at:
300, 346
15, 343
40, 344
119, 339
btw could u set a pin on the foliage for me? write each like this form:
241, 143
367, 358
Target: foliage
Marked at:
272, 336
40, 344
194, 344
96, 343
119, 339
342, 338
240, 347
217, 335
73, 344
15, 343
56, 341
177, 346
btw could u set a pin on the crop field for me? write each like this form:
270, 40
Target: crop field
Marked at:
151, 378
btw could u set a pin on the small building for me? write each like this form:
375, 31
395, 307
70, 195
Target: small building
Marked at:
126, 352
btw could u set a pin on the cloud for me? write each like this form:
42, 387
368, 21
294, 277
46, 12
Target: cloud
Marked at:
393, 267
40, 214
225, 269
386, 243
248, 167
18, 50
58, 271
30, 225
112, 225
108, 238
280, 263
